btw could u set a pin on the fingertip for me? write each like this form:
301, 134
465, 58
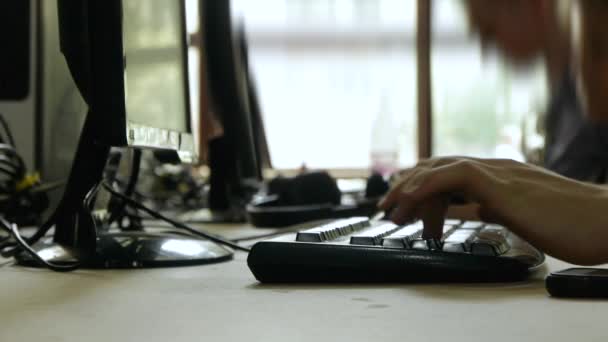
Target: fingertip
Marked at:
382, 204
432, 231
432, 213
393, 216
388, 200
398, 219
401, 214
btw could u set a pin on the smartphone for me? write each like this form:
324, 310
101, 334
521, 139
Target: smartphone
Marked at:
578, 283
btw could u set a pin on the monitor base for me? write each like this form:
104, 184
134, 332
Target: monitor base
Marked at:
205, 215
131, 250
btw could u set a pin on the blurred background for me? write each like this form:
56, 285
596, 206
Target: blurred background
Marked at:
337, 82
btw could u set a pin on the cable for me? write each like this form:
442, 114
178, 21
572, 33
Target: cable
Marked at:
12, 229
9, 149
118, 212
40, 233
134, 175
7, 161
42, 230
7, 131
11, 173
4, 240
176, 224
22, 200
264, 236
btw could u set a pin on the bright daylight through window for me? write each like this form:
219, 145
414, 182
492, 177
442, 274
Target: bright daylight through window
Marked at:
337, 84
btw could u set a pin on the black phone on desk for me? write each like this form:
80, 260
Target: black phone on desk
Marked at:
578, 283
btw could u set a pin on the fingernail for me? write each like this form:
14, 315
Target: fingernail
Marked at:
381, 202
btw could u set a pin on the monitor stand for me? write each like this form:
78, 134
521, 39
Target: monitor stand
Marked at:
229, 192
130, 250
77, 235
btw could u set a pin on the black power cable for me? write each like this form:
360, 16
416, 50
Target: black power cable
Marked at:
174, 223
117, 211
19, 200
12, 229
7, 131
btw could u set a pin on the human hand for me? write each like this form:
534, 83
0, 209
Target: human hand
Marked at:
565, 218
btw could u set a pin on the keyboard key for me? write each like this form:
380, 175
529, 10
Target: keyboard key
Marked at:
427, 244
471, 225
420, 244
374, 235
452, 222
459, 240
447, 230
482, 248
333, 230
454, 247
404, 236
434, 244
491, 240
493, 231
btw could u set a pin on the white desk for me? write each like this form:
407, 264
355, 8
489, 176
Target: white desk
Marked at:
223, 302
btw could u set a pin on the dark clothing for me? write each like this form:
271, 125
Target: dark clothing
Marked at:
575, 147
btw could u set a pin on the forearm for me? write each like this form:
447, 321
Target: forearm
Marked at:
593, 235
573, 228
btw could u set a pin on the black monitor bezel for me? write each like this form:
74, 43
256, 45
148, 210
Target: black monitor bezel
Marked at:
227, 86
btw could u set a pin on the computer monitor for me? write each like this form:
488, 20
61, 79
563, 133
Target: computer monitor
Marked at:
260, 141
236, 160
128, 59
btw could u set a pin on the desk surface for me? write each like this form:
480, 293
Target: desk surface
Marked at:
224, 302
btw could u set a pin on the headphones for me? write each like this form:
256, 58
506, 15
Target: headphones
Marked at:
312, 196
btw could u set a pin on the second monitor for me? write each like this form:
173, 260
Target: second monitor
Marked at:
128, 59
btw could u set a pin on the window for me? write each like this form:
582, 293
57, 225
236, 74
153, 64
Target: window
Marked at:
337, 83
336, 79
480, 104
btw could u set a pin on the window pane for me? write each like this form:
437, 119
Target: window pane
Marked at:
480, 102
340, 92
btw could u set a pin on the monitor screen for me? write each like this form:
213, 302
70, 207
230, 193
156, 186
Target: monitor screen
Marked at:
156, 76
155, 59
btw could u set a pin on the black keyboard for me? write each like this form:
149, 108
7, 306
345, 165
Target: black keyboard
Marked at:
359, 250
